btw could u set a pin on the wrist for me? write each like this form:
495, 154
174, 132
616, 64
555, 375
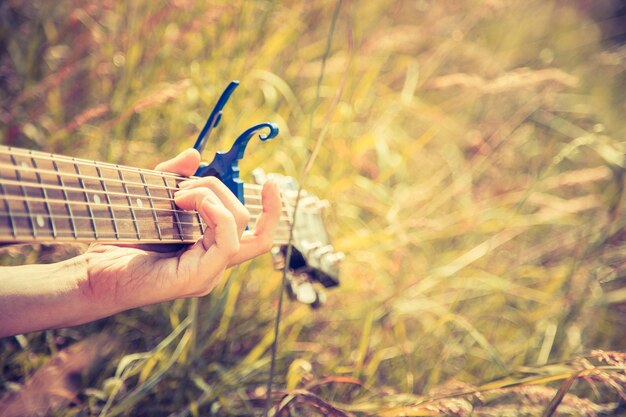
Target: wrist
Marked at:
122, 278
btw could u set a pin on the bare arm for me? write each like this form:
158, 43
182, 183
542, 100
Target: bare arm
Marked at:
108, 279
34, 297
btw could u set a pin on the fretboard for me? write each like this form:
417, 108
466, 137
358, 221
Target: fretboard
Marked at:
46, 197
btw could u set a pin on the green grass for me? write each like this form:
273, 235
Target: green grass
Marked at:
473, 158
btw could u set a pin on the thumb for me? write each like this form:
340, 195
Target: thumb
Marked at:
185, 163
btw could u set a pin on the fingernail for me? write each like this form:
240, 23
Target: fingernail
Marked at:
184, 184
180, 193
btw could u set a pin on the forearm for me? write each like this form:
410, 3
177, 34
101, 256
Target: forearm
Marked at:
37, 297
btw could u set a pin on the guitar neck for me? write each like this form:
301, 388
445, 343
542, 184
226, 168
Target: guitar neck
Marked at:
48, 198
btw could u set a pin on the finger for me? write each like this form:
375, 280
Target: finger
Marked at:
224, 237
185, 163
261, 238
230, 200
216, 216
212, 254
199, 199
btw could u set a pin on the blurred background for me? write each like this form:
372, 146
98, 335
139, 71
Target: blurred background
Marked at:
473, 157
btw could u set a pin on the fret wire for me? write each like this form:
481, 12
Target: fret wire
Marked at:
82, 184
76, 189
130, 237
106, 195
281, 235
169, 192
253, 191
282, 225
18, 176
253, 214
130, 204
52, 157
122, 235
8, 207
200, 225
45, 197
67, 200
154, 215
88, 177
247, 187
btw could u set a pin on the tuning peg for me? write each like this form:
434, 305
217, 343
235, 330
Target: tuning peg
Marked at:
305, 293
259, 176
316, 254
308, 248
301, 288
332, 261
285, 182
321, 298
324, 250
278, 258
309, 201
323, 204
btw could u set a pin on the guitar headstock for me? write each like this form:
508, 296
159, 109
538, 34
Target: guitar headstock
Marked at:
314, 264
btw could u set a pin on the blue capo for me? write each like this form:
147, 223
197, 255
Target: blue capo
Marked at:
225, 165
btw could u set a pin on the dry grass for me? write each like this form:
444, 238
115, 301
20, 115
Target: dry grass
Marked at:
473, 157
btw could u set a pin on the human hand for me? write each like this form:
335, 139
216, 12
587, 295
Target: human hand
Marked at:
132, 276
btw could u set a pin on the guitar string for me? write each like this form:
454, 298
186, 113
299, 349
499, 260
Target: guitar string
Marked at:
175, 236
81, 190
95, 164
254, 210
254, 188
85, 162
127, 236
185, 240
282, 227
282, 221
12, 167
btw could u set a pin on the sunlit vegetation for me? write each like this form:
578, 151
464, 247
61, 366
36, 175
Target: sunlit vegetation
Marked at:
473, 157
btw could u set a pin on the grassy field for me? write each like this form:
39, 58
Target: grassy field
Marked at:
473, 156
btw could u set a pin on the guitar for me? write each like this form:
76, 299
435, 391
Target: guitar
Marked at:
52, 198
